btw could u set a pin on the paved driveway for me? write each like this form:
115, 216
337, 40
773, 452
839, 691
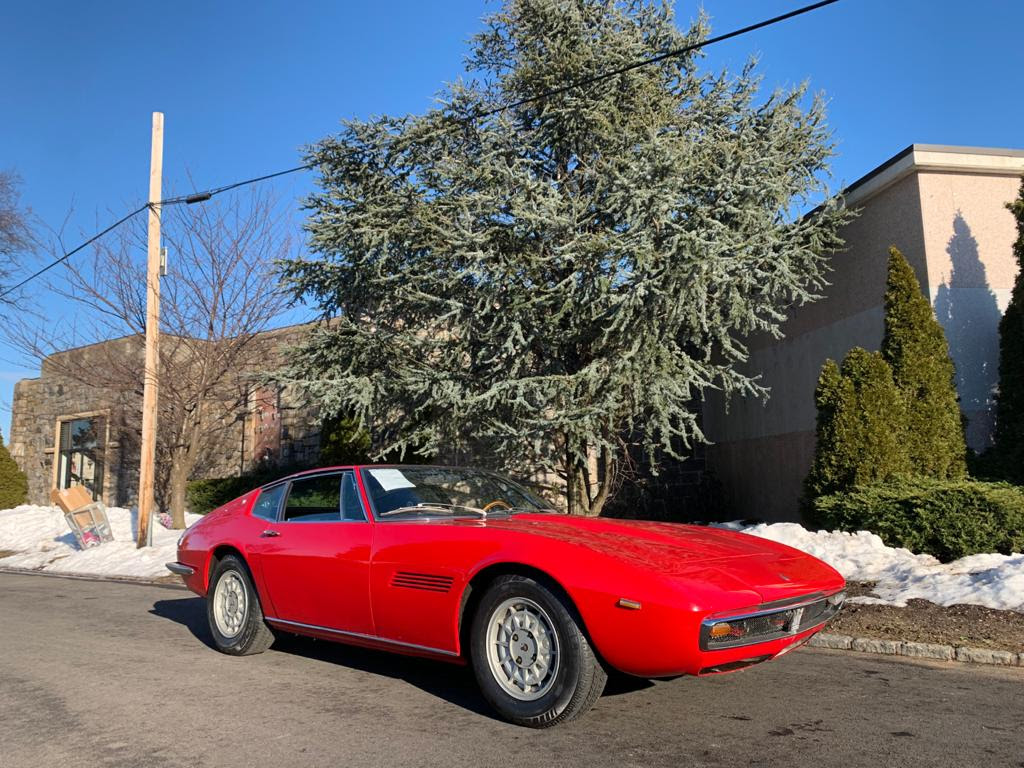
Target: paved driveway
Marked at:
95, 674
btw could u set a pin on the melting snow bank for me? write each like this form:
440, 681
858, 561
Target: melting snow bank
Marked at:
995, 581
41, 540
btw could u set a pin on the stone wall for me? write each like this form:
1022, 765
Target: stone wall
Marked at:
39, 406
62, 392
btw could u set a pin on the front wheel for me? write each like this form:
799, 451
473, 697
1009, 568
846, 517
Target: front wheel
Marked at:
532, 660
233, 610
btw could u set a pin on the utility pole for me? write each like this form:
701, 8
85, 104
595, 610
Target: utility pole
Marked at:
151, 374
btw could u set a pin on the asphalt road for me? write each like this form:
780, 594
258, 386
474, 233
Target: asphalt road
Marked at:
97, 674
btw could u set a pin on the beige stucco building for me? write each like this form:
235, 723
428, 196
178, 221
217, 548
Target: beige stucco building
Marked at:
944, 207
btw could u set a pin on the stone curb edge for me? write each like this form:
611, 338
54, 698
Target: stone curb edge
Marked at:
94, 577
932, 651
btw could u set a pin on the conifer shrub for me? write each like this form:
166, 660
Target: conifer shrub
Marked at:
948, 519
915, 347
861, 429
13, 483
1008, 460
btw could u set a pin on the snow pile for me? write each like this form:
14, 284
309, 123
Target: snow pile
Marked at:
41, 540
995, 581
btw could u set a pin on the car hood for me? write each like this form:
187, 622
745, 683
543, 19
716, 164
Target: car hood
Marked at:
731, 559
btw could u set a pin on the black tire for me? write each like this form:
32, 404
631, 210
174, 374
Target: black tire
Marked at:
579, 678
254, 636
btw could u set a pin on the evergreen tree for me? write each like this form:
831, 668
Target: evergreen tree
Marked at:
861, 429
554, 280
13, 483
915, 347
1009, 437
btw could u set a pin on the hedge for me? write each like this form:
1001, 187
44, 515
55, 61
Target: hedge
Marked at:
949, 519
208, 494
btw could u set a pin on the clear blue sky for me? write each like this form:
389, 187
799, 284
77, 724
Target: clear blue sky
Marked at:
244, 85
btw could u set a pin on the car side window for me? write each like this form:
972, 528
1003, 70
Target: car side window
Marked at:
314, 499
268, 503
351, 504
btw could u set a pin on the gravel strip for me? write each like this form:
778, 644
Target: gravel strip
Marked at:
922, 622
966, 633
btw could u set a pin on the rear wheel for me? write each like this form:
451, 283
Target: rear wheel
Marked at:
233, 610
532, 660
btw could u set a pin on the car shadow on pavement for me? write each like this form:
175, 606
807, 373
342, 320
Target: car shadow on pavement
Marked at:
453, 683
189, 611
450, 682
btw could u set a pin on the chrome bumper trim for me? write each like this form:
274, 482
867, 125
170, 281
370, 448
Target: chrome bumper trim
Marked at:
804, 617
181, 569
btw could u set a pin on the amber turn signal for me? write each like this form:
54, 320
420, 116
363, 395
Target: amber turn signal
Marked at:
722, 629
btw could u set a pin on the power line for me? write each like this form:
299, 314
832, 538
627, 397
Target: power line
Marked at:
72, 252
582, 83
198, 197
652, 60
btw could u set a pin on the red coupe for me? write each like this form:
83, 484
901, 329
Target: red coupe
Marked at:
468, 566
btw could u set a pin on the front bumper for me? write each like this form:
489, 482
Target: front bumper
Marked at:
769, 622
181, 569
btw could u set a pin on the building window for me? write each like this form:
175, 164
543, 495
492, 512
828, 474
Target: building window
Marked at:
80, 458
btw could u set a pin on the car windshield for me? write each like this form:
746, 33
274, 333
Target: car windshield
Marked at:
402, 492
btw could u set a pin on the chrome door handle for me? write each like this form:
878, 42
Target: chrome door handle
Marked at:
269, 533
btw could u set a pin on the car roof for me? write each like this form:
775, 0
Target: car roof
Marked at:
342, 467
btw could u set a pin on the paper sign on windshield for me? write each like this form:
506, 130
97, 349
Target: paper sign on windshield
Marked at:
390, 479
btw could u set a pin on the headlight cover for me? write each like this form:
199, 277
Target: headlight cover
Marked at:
769, 624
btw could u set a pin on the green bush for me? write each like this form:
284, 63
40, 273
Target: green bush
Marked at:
945, 518
915, 347
210, 493
342, 442
861, 429
204, 495
13, 484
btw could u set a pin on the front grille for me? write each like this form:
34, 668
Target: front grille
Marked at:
815, 613
768, 624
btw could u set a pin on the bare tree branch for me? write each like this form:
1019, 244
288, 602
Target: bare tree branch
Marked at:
17, 236
220, 293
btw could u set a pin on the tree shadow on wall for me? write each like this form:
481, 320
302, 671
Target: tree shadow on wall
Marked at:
967, 309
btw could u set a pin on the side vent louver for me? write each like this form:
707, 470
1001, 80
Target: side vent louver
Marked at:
427, 581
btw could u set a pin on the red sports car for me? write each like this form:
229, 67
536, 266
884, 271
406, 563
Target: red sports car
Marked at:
468, 566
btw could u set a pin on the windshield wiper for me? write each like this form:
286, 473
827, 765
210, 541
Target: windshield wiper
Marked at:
433, 507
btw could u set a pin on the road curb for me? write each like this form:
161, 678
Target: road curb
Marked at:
92, 577
932, 651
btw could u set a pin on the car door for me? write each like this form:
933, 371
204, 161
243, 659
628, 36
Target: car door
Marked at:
315, 558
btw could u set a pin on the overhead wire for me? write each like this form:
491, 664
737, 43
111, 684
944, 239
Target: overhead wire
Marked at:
75, 250
197, 197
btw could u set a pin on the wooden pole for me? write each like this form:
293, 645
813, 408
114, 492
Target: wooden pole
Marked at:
151, 372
